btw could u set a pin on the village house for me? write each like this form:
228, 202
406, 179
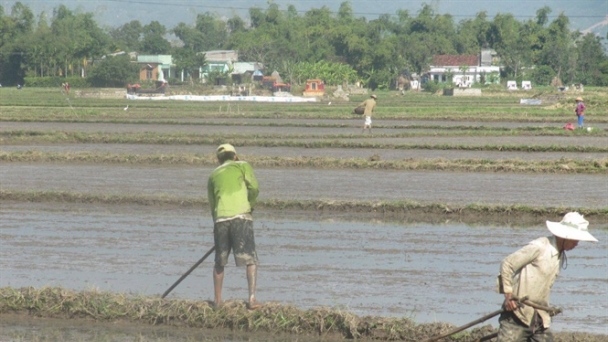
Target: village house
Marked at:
155, 67
226, 62
464, 70
243, 72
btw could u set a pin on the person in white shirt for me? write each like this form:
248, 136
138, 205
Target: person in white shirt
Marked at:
530, 272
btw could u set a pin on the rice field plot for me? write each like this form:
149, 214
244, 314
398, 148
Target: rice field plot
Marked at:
466, 165
291, 139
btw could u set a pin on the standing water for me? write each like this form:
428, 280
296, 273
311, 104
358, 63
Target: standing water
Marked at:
440, 272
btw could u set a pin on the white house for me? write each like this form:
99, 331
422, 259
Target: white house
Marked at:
464, 70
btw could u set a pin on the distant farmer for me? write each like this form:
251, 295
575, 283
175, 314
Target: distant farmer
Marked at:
370, 106
232, 191
66, 87
580, 111
531, 272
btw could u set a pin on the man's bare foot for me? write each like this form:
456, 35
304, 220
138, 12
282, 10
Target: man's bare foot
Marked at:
254, 305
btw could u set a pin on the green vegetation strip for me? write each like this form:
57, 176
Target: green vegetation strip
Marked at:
20, 137
471, 165
378, 207
55, 302
493, 106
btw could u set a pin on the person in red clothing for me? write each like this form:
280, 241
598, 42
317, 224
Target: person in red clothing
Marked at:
580, 111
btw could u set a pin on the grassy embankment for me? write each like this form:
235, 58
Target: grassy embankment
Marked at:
322, 322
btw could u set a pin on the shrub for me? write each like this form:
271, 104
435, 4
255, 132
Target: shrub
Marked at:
56, 81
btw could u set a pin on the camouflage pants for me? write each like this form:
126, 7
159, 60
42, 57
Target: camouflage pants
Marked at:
235, 235
512, 330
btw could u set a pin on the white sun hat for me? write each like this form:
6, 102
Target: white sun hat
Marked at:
572, 227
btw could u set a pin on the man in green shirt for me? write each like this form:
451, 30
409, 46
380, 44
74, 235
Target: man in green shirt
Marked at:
232, 191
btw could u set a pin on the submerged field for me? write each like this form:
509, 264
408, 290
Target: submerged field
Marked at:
466, 167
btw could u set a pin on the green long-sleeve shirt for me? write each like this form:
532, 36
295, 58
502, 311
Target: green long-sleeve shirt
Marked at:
232, 190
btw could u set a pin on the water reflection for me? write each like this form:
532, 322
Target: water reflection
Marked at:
438, 271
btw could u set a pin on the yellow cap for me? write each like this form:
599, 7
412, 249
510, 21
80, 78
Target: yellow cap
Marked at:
579, 99
224, 148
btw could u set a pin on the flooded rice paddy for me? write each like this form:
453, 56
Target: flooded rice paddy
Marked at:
369, 266
313, 134
427, 269
455, 188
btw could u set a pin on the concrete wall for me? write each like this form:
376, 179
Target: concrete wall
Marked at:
467, 92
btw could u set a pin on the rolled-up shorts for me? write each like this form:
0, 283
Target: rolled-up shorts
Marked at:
513, 330
368, 120
235, 235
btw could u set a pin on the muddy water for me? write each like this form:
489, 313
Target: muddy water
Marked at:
457, 188
295, 152
428, 272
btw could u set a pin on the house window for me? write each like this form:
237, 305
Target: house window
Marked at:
148, 74
436, 78
314, 86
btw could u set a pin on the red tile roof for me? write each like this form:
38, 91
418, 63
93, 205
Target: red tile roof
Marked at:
455, 60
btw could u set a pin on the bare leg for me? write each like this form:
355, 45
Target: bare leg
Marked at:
218, 281
252, 274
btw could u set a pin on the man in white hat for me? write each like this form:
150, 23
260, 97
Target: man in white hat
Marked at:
370, 106
531, 272
232, 190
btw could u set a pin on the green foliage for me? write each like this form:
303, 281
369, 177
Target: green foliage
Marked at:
432, 87
114, 72
542, 75
56, 81
128, 36
331, 73
187, 60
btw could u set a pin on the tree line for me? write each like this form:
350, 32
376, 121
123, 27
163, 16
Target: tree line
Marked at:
67, 43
